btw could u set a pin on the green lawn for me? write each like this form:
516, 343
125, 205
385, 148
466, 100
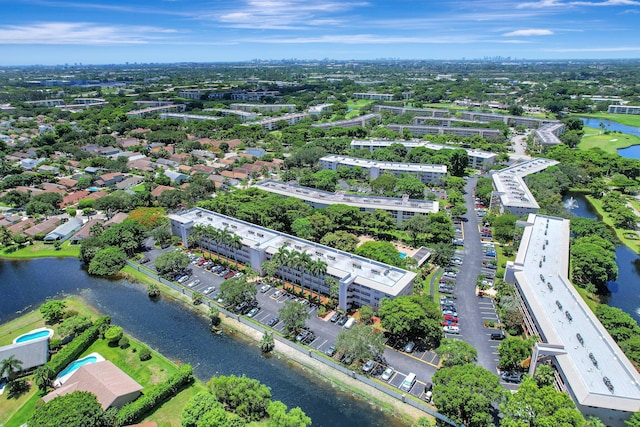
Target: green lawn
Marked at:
138, 188
356, 105
170, 413
610, 143
40, 250
631, 244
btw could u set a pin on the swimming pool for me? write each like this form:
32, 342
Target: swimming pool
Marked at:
403, 255
33, 335
73, 366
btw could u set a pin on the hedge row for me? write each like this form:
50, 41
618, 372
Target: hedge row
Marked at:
155, 396
71, 351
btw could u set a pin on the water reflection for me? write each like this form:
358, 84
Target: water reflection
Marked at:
182, 335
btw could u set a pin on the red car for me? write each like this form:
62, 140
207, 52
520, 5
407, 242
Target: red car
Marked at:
202, 261
449, 323
451, 318
229, 275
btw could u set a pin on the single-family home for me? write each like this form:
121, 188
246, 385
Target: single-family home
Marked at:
109, 179
176, 176
156, 192
112, 386
132, 181
42, 228
64, 231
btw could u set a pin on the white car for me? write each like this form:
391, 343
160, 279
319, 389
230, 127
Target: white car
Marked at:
451, 330
209, 289
387, 374
193, 283
265, 288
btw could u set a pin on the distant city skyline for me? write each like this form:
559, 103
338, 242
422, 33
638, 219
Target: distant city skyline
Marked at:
167, 31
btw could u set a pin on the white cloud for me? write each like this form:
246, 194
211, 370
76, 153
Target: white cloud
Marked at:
542, 4
363, 39
80, 33
547, 4
597, 49
529, 32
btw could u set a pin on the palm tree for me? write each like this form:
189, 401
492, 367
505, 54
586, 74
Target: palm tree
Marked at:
224, 236
281, 257
300, 262
43, 377
235, 243
317, 268
11, 367
196, 235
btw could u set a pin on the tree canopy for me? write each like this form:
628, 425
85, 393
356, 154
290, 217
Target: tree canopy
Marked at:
413, 317
79, 408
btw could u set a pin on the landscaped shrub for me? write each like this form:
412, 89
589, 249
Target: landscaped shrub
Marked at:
71, 351
136, 410
145, 354
113, 335
123, 343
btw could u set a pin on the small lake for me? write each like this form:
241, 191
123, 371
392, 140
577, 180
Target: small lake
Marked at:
180, 334
625, 290
632, 152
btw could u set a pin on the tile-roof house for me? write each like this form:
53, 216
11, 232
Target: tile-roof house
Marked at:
156, 192
73, 198
112, 387
42, 228
67, 182
109, 179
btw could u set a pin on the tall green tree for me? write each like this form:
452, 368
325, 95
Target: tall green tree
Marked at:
413, 317
79, 408
10, 367
467, 394
108, 261
360, 342
454, 351
294, 317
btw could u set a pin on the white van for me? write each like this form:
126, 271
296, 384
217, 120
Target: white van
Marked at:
350, 322
408, 382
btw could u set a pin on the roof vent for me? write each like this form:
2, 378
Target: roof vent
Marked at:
593, 360
580, 339
608, 383
566, 313
558, 304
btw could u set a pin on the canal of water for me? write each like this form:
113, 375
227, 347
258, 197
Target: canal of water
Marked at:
625, 290
182, 335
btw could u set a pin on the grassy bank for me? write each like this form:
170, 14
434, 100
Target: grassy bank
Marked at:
606, 218
16, 411
625, 119
40, 250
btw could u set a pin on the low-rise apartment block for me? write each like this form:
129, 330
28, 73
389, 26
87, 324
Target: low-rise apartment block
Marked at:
425, 173
624, 109
590, 366
361, 281
421, 130
264, 108
400, 209
478, 159
350, 123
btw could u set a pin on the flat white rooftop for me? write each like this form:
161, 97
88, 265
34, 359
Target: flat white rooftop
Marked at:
414, 144
529, 167
513, 191
372, 274
396, 166
563, 318
327, 198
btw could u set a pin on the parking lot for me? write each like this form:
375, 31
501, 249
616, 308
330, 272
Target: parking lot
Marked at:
471, 259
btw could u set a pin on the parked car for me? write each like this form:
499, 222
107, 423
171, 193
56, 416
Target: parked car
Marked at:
193, 283
301, 335
209, 289
511, 377
409, 347
498, 336
253, 312
342, 320
183, 279
273, 321
335, 317
368, 366
229, 275
451, 330
277, 294
330, 351
240, 307
265, 288
144, 260
309, 338
165, 245
387, 374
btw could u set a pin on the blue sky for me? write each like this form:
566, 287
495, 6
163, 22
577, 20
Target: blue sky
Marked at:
118, 31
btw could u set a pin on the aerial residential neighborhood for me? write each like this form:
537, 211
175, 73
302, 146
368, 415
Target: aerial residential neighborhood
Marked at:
454, 241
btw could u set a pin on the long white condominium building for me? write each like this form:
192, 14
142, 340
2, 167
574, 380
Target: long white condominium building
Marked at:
426, 112
478, 159
272, 122
373, 96
512, 192
526, 121
420, 130
623, 109
592, 369
156, 110
400, 209
349, 123
425, 173
264, 108
362, 281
